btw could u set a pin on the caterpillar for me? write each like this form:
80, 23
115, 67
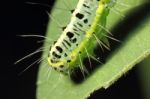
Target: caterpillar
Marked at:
79, 37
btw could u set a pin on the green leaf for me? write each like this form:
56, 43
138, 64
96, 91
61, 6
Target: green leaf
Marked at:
133, 48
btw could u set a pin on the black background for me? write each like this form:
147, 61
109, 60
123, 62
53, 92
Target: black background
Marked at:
16, 18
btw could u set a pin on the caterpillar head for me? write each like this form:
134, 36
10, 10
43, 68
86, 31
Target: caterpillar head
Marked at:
62, 55
58, 64
59, 59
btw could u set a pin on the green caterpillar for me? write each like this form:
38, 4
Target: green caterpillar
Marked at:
79, 37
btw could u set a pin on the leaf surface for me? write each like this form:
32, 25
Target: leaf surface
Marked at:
134, 47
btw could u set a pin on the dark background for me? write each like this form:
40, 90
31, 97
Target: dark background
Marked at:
16, 18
